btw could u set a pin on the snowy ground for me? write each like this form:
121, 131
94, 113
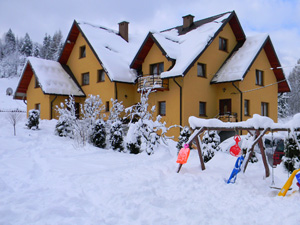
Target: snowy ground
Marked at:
45, 179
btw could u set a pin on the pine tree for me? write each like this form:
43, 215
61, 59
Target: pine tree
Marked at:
183, 138
55, 45
33, 119
27, 46
291, 158
210, 144
10, 43
98, 137
45, 50
133, 139
36, 50
294, 96
116, 136
283, 106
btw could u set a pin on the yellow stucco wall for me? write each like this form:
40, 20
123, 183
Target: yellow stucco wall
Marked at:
196, 89
36, 96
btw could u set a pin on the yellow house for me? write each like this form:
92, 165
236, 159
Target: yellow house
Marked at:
210, 69
206, 68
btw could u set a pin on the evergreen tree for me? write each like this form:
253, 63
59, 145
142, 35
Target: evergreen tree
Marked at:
98, 137
36, 50
283, 106
294, 96
210, 144
55, 45
183, 138
10, 43
27, 46
116, 136
133, 139
45, 50
291, 158
33, 119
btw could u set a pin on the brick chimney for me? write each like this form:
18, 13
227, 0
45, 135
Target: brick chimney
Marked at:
188, 20
123, 30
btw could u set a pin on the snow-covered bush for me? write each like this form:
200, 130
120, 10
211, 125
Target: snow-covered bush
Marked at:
291, 158
210, 144
146, 126
80, 129
133, 139
67, 118
183, 138
98, 136
116, 136
90, 112
33, 119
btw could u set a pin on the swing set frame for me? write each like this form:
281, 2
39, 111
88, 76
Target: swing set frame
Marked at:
258, 134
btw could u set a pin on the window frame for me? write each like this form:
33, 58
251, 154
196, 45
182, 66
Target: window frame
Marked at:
160, 108
158, 67
83, 81
37, 106
82, 51
107, 106
259, 77
223, 44
203, 104
246, 107
36, 83
203, 70
101, 74
264, 108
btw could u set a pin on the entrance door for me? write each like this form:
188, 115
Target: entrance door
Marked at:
225, 106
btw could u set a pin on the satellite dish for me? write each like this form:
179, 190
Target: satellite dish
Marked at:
9, 91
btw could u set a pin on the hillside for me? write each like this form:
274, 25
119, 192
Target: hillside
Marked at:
45, 179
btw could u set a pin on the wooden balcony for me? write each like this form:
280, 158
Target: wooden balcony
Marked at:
228, 117
154, 82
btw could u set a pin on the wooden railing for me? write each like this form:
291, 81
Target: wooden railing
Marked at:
228, 117
153, 81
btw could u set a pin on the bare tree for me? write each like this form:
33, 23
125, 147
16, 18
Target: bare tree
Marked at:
14, 117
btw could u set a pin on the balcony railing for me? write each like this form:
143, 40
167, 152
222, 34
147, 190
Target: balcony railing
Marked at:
153, 81
228, 117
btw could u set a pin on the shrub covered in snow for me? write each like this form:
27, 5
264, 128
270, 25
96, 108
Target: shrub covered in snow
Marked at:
98, 135
210, 144
67, 118
147, 127
133, 139
291, 158
183, 138
116, 136
33, 119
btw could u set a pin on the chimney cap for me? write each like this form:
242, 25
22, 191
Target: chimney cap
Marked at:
123, 22
189, 15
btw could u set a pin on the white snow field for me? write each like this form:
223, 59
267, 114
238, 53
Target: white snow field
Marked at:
46, 179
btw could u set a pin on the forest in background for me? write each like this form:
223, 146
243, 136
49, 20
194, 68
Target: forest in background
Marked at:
14, 50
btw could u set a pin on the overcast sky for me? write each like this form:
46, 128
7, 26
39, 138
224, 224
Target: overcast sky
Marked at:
279, 18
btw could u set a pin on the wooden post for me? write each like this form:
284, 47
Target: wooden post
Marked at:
263, 155
200, 153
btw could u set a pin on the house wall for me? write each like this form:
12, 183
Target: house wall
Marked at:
36, 96
196, 89
266, 94
171, 97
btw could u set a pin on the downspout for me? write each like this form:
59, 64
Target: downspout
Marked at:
116, 91
241, 108
180, 101
51, 106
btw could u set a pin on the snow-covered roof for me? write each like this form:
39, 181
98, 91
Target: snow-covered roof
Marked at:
113, 52
237, 65
184, 48
53, 78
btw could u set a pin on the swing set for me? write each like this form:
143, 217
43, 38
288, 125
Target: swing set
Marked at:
256, 132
